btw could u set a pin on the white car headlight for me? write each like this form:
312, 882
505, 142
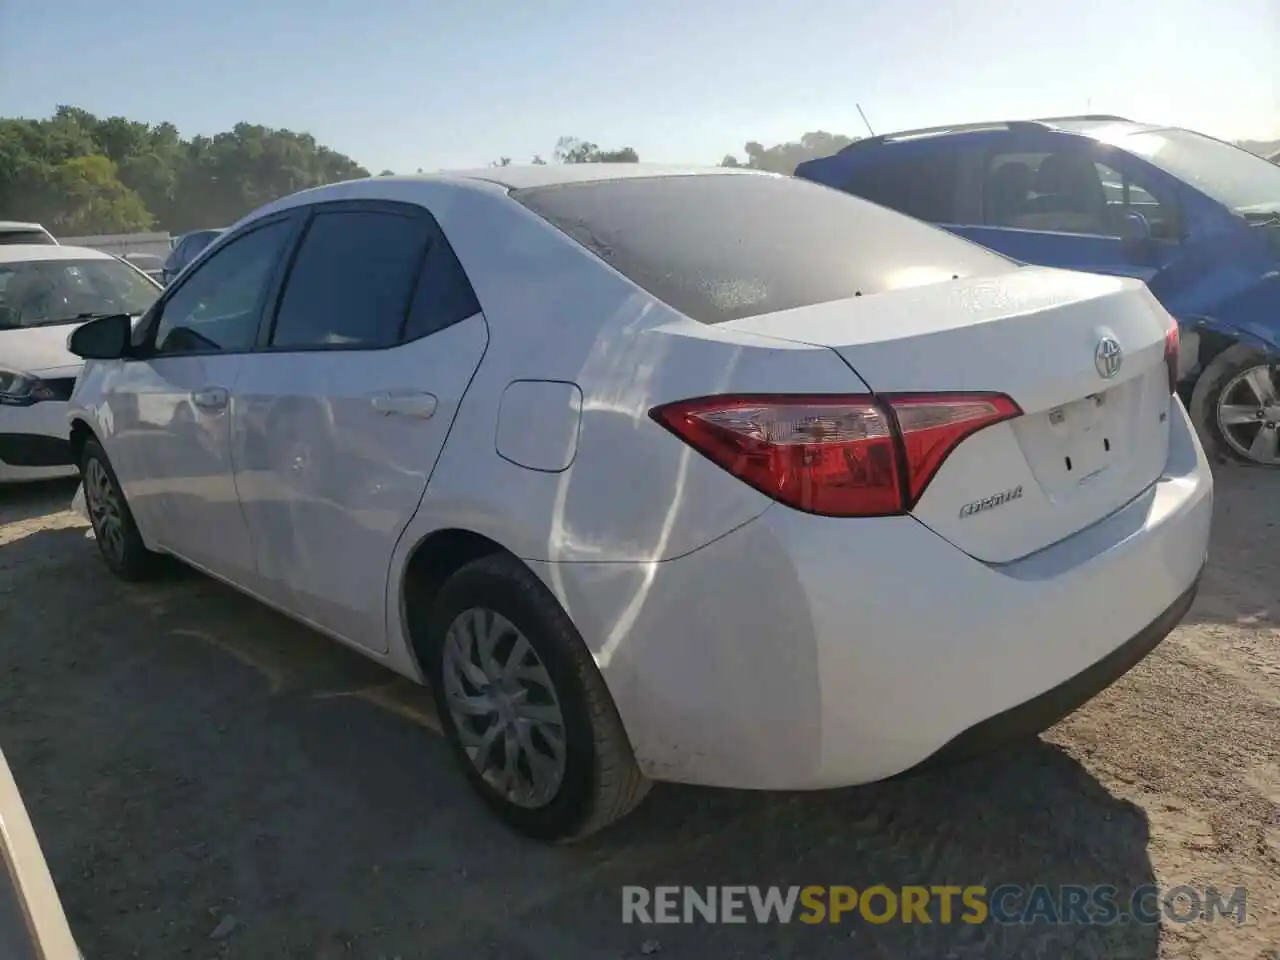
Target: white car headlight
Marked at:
22, 388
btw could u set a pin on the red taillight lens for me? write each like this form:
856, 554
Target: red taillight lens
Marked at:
842, 456
1172, 350
933, 425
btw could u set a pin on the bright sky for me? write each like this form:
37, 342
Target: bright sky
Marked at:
412, 84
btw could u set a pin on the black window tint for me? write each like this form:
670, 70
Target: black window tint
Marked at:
922, 186
352, 280
444, 295
219, 304
722, 246
24, 236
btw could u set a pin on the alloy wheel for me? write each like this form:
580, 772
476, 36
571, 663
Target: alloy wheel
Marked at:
105, 511
504, 706
1249, 414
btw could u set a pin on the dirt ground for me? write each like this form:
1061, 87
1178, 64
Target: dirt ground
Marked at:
211, 780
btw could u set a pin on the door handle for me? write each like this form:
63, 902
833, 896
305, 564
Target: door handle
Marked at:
210, 399
409, 404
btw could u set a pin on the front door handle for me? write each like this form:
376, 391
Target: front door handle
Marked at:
406, 404
211, 399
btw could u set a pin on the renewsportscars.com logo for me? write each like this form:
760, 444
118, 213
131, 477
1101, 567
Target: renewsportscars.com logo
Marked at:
1004, 904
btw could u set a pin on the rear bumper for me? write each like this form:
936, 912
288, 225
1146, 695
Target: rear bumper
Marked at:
801, 652
1039, 713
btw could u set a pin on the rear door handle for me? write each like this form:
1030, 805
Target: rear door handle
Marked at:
211, 399
407, 404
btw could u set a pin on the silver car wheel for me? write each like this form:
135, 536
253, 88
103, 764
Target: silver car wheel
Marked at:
504, 706
104, 507
1249, 414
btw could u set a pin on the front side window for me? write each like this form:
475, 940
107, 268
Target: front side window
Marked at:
1126, 195
1067, 191
42, 292
352, 280
719, 247
218, 306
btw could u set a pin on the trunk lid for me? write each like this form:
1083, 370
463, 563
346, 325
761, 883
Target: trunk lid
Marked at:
1086, 443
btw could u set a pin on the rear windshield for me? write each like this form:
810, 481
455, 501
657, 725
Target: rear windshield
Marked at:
722, 247
25, 236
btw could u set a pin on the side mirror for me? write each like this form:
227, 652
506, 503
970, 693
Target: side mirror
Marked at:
1134, 229
106, 338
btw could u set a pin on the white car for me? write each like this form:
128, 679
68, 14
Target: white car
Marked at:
13, 231
709, 476
46, 289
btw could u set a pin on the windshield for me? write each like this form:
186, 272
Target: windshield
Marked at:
1236, 178
39, 292
723, 247
9, 236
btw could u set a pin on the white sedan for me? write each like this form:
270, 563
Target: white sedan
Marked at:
46, 289
707, 476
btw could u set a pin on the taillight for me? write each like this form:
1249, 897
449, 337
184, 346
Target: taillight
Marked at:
1172, 349
839, 456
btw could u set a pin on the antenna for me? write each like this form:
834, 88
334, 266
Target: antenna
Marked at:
864, 119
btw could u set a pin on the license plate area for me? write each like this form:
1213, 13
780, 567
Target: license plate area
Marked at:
1073, 445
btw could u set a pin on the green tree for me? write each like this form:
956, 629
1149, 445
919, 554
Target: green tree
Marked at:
573, 150
94, 201
182, 184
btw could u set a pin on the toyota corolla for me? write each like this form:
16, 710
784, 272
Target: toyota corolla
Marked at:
660, 474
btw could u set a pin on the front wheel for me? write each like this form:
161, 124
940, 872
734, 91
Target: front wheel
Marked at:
116, 533
1236, 406
524, 707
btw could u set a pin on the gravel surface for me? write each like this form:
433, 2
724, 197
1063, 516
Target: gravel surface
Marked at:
210, 780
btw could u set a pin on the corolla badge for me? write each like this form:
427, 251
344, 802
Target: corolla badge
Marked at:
991, 502
1107, 357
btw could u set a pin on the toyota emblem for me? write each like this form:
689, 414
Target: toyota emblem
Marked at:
1107, 357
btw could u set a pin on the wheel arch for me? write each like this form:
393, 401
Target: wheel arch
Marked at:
1206, 382
81, 433
431, 562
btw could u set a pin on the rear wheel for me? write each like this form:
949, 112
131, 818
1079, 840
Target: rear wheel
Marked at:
1236, 406
116, 533
524, 707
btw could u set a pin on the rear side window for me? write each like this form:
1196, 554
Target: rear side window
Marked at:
444, 295
26, 236
720, 247
921, 186
352, 280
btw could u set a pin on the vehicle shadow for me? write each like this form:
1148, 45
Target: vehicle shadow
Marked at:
209, 777
26, 501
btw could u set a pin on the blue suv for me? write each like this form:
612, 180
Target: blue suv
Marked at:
1196, 218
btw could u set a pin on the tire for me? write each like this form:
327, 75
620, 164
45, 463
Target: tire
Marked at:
125, 555
599, 781
1207, 394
